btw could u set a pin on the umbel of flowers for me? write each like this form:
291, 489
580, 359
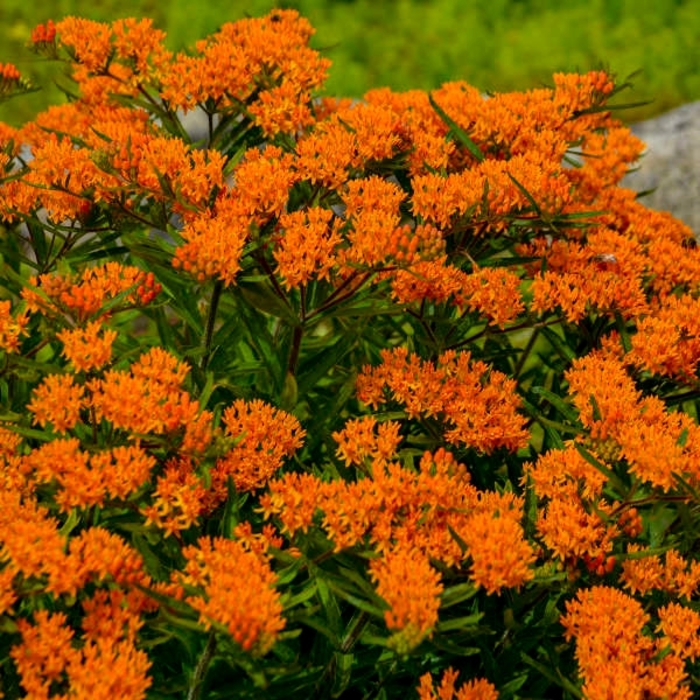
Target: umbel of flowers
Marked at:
338, 399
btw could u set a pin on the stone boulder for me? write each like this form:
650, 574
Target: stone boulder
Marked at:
671, 164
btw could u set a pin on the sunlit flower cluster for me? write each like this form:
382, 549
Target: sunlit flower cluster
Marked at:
237, 591
477, 405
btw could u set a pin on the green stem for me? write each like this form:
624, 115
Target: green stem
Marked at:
211, 319
295, 349
339, 295
526, 353
201, 669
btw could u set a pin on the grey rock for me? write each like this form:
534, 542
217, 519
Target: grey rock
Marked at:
671, 164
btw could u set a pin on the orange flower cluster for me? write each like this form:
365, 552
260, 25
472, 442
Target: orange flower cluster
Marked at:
644, 572
58, 400
307, 246
88, 348
411, 588
573, 521
667, 342
30, 541
655, 442
10, 79
606, 274
86, 480
237, 591
477, 404
264, 437
397, 508
97, 556
363, 438
478, 689
681, 627
270, 54
12, 326
44, 33
494, 292
111, 285
106, 665
178, 499
156, 402
615, 658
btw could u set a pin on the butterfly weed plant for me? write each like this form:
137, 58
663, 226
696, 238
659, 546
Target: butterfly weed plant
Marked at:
338, 399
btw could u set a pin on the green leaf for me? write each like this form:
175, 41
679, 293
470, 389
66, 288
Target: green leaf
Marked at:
566, 410
457, 594
527, 195
305, 594
459, 623
567, 353
262, 297
456, 130
614, 480
316, 367
455, 536
331, 609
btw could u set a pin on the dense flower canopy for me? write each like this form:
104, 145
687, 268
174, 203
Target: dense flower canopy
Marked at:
333, 390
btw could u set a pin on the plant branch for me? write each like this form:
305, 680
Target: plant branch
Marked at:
201, 669
211, 320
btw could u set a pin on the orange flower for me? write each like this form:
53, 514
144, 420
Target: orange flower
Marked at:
8, 597
10, 80
501, 555
396, 506
88, 41
294, 499
478, 689
213, 245
606, 275
646, 573
58, 401
557, 471
178, 499
44, 33
614, 657
266, 436
494, 292
411, 588
306, 248
362, 438
680, 626
326, 155
262, 183
107, 669
243, 56
655, 443
570, 531
282, 109
44, 653
237, 592
30, 541
101, 668
86, 348
429, 280
96, 287
478, 412
667, 342
100, 557
148, 399
11, 327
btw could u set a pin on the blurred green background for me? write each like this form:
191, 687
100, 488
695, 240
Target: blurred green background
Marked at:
495, 45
